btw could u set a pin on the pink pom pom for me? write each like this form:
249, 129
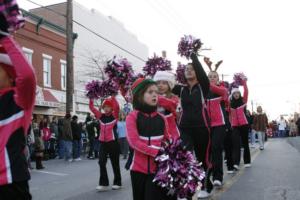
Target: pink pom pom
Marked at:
10, 11
155, 64
97, 89
188, 45
178, 171
120, 71
239, 78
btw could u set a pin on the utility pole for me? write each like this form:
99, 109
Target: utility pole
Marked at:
70, 71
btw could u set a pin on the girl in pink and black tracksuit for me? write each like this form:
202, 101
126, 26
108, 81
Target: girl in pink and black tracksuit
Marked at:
146, 129
167, 102
240, 126
216, 111
193, 123
109, 145
17, 95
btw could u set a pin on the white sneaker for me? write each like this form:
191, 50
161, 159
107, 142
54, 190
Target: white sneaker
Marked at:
203, 194
102, 188
225, 161
116, 187
230, 171
77, 159
217, 183
70, 160
247, 165
236, 167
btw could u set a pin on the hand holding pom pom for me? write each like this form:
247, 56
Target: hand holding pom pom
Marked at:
239, 79
180, 73
178, 170
188, 45
155, 64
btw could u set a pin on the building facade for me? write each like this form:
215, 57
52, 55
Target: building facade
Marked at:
92, 50
44, 45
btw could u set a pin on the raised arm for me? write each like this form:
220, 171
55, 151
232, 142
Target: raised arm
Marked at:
168, 104
116, 107
96, 112
201, 75
134, 140
25, 80
246, 92
220, 90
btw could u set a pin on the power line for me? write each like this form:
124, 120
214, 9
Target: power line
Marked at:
90, 30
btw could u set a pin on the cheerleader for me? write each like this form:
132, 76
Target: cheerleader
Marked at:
193, 124
167, 102
216, 111
240, 126
17, 95
146, 128
109, 145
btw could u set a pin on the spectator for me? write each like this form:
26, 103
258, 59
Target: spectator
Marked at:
90, 128
38, 149
76, 133
293, 129
260, 124
29, 145
54, 135
60, 125
46, 135
67, 137
281, 126
298, 125
122, 135
252, 132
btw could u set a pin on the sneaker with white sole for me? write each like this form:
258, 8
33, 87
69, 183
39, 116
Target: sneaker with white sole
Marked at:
70, 160
203, 194
230, 171
77, 159
116, 187
101, 188
247, 165
217, 183
236, 167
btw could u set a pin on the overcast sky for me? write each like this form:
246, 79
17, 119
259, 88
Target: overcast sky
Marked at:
258, 37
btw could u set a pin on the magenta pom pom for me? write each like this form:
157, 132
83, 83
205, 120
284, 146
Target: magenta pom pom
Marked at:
188, 45
97, 89
120, 71
239, 78
155, 64
10, 10
180, 74
92, 89
178, 170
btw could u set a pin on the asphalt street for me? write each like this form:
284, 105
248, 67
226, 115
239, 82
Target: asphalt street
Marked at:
274, 175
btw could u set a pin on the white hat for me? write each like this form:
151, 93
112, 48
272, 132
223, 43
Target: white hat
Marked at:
235, 90
165, 76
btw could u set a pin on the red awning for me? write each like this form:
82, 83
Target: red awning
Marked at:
45, 98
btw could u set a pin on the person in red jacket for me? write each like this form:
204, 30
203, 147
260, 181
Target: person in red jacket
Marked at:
167, 102
109, 145
146, 128
240, 126
17, 96
215, 101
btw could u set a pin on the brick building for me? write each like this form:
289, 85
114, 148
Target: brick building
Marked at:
44, 44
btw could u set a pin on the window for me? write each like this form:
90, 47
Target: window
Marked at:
63, 69
28, 54
47, 70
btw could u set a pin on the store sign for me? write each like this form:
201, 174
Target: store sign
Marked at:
40, 99
46, 103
